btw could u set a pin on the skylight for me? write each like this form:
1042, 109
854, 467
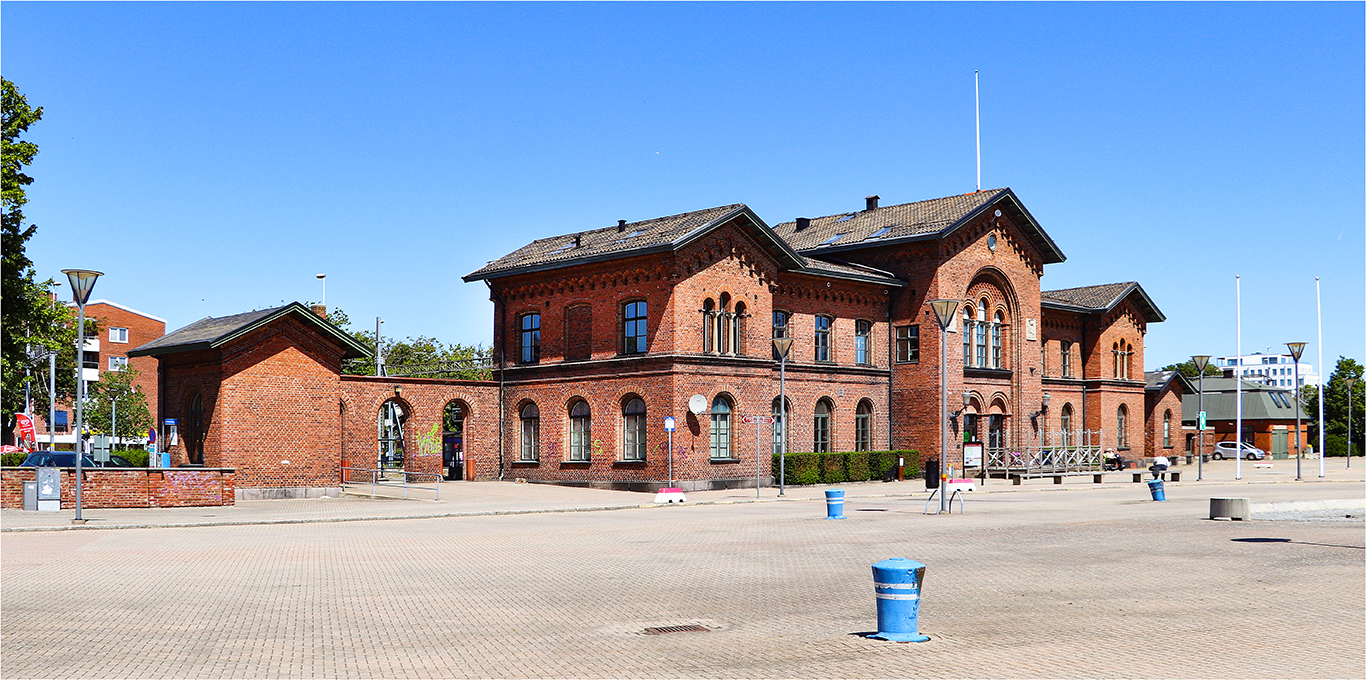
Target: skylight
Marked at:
846, 218
880, 232
834, 238
628, 237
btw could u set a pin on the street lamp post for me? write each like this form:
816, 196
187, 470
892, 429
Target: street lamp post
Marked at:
943, 313
1200, 361
82, 282
1351, 382
1297, 349
782, 346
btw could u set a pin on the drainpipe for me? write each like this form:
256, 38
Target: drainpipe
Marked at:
891, 366
1084, 422
502, 364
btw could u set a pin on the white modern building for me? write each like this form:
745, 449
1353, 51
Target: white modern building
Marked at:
1268, 368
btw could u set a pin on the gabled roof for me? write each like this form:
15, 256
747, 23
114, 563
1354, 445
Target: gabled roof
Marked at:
661, 234
919, 221
1221, 402
116, 305
1102, 298
850, 271
1156, 381
210, 332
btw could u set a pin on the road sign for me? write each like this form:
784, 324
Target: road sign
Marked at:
750, 420
669, 424
1202, 421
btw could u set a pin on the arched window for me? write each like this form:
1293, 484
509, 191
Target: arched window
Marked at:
1065, 359
1065, 422
633, 318
633, 430
981, 334
823, 324
580, 431
1167, 429
821, 428
996, 340
724, 323
708, 323
1122, 427
530, 338
392, 417
531, 433
779, 425
720, 428
967, 335
737, 329
1114, 351
863, 332
863, 426
780, 320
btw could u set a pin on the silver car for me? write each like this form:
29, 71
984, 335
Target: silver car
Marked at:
1224, 450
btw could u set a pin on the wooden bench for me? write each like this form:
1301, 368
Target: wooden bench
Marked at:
1176, 475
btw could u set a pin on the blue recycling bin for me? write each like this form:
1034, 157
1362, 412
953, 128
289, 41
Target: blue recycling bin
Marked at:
1155, 486
834, 504
897, 583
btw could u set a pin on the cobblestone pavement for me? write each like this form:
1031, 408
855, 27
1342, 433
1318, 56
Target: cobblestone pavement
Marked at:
1034, 581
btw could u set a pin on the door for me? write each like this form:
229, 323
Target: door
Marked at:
1280, 443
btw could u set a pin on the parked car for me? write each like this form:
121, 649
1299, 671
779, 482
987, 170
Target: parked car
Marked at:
63, 459
1224, 450
117, 461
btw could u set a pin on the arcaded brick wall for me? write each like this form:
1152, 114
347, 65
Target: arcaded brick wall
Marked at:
183, 376
129, 488
425, 401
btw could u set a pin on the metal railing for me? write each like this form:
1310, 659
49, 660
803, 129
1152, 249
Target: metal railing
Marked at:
377, 478
1057, 453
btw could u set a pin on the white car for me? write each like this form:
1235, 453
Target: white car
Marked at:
1224, 450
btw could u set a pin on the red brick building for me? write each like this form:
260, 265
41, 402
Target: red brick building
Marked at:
121, 329
601, 334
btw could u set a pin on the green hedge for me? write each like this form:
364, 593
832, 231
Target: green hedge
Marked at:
1336, 446
12, 459
138, 457
854, 466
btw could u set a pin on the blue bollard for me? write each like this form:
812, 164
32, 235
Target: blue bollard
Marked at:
1155, 486
897, 582
834, 504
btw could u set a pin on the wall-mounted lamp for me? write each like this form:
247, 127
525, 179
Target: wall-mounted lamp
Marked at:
398, 391
1043, 407
967, 401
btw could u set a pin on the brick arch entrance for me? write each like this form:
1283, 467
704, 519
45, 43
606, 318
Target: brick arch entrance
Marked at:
453, 417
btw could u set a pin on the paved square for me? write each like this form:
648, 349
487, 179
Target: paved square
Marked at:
1079, 581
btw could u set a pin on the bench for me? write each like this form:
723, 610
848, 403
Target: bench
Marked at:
1018, 478
1176, 475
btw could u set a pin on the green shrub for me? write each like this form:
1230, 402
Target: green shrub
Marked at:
856, 463
832, 468
12, 459
1335, 446
138, 457
835, 468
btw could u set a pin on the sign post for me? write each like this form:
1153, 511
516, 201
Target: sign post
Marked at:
758, 446
669, 427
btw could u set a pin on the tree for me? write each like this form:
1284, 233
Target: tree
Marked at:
33, 321
115, 396
419, 350
1188, 369
1335, 406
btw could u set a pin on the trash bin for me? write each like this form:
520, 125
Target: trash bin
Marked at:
834, 504
897, 583
31, 495
1155, 486
932, 473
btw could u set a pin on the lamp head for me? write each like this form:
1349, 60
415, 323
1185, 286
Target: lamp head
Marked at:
82, 282
1046, 398
943, 312
1296, 349
967, 397
783, 346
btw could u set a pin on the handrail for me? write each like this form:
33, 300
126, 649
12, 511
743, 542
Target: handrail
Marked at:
376, 477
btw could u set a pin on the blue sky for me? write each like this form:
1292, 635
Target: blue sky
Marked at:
212, 158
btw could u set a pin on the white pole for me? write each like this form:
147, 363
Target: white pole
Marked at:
1318, 296
977, 97
1238, 380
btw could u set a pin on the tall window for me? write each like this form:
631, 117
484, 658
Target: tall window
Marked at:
780, 320
633, 328
996, 340
633, 430
967, 335
996, 431
1122, 350
709, 326
1066, 424
392, 418
720, 428
779, 426
1043, 358
821, 428
1065, 359
1167, 430
822, 338
453, 437
531, 433
863, 331
1122, 427
725, 322
863, 426
580, 431
908, 344
981, 334
737, 329
530, 342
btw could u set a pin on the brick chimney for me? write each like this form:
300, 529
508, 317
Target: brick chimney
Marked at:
320, 310
872, 202
803, 222
621, 226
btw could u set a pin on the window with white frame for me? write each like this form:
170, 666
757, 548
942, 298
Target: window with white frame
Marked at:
863, 332
580, 431
981, 334
1167, 430
720, 429
908, 344
1122, 427
118, 363
996, 325
118, 334
863, 426
823, 324
531, 433
1065, 359
821, 427
633, 430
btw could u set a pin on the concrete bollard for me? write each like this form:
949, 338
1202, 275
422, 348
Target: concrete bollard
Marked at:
834, 504
897, 583
1233, 508
1155, 487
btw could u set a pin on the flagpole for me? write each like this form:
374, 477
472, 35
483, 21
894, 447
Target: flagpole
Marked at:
1318, 297
1237, 377
977, 97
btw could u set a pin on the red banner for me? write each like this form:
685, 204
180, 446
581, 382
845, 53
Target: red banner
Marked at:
24, 426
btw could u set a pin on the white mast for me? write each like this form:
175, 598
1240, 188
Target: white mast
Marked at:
977, 96
1318, 297
1237, 379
